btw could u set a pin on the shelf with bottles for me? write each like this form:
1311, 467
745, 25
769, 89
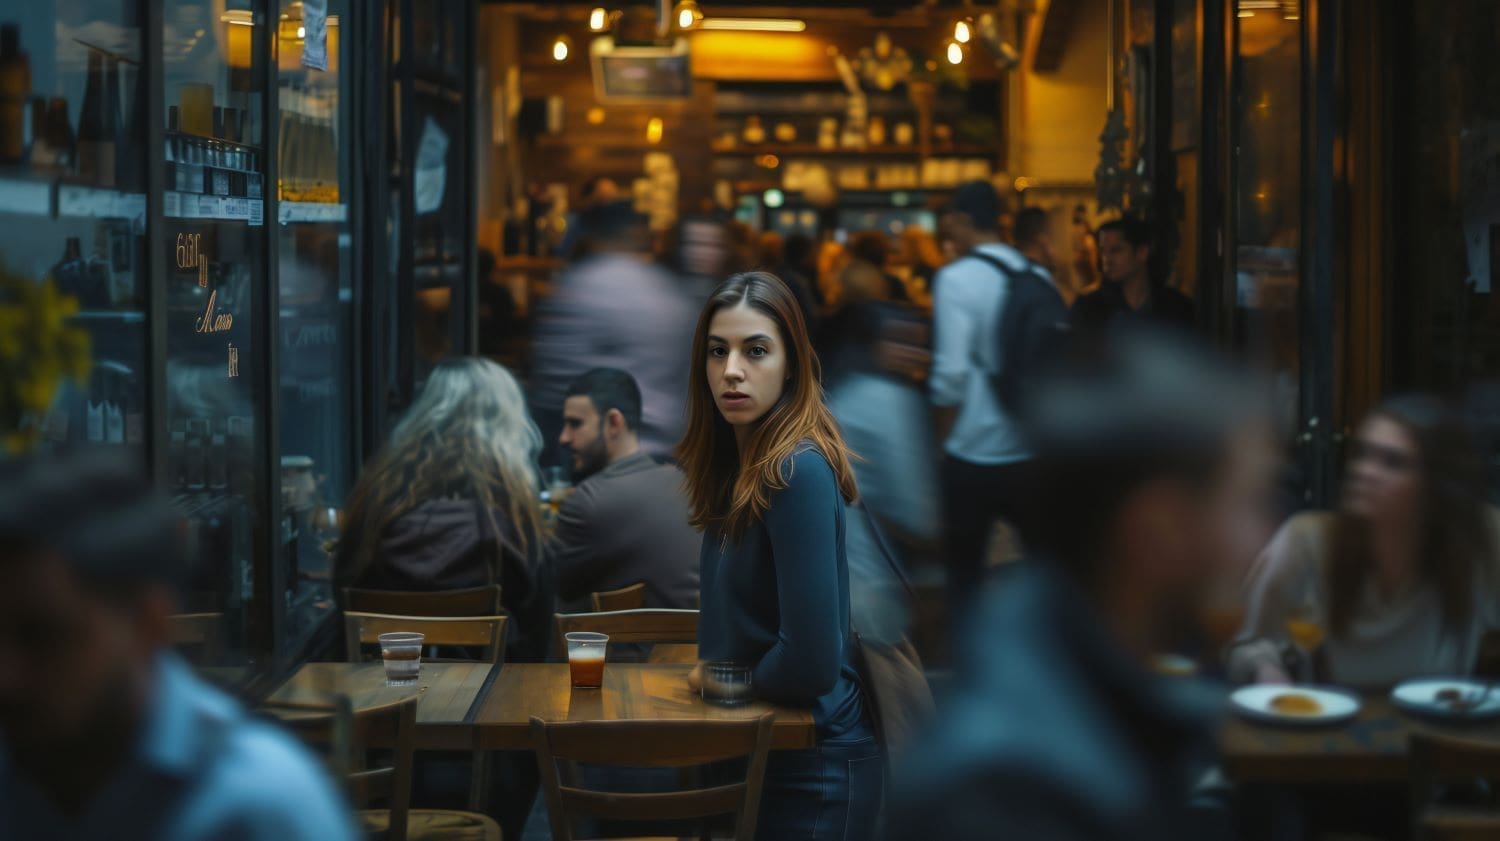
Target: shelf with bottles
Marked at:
209, 460
813, 150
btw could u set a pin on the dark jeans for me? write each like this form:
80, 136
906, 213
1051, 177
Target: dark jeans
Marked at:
829, 793
974, 497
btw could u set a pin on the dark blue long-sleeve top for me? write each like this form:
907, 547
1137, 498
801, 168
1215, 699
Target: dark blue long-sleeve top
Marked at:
778, 599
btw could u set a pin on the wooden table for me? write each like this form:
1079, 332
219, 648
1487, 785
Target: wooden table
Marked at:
642, 691
1372, 748
447, 692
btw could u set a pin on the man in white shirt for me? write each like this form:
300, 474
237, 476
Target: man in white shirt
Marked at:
985, 464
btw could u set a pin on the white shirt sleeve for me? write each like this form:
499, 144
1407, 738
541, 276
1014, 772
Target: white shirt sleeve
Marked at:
955, 323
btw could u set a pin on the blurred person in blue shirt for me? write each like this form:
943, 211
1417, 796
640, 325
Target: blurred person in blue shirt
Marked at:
1154, 466
104, 733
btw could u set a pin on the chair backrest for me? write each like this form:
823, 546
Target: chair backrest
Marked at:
625, 598
470, 601
648, 626
1438, 760
346, 738
652, 744
361, 629
204, 630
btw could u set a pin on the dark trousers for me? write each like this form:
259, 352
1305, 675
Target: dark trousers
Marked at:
974, 497
832, 792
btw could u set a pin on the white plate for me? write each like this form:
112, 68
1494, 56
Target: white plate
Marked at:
1255, 702
1420, 697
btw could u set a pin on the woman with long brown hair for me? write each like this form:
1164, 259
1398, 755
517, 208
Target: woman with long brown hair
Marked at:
768, 477
1403, 580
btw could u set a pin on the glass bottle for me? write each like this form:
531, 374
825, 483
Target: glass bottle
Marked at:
96, 130
15, 86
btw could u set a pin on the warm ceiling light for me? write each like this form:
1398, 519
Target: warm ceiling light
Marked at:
688, 15
955, 53
961, 32
754, 24
561, 48
653, 131
773, 198
598, 19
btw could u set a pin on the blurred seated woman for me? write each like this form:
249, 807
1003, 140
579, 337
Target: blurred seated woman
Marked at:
1402, 582
449, 501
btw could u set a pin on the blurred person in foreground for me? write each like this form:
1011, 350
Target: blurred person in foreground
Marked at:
1128, 291
1402, 581
615, 308
104, 732
768, 478
627, 521
450, 501
986, 465
1154, 463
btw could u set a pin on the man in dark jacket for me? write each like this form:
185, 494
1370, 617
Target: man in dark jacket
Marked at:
1153, 469
1128, 291
627, 521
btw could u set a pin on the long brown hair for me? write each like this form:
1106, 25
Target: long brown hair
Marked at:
725, 494
467, 436
1455, 536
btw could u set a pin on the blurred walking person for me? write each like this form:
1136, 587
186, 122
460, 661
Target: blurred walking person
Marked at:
616, 308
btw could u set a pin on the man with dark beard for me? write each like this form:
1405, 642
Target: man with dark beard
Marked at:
627, 521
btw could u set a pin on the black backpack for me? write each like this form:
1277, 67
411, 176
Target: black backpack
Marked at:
1031, 332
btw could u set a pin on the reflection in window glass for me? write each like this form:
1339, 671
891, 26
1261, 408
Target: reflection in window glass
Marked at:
72, 218
1268, 192
214, 243
315, 304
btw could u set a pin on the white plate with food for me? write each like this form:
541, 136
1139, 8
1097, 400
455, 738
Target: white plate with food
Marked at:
1295, 705
1447, 697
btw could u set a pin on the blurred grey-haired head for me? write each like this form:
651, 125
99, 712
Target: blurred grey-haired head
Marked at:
98, 512
1140, 406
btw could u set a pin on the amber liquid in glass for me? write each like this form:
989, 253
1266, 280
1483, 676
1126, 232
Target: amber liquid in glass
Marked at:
587, 669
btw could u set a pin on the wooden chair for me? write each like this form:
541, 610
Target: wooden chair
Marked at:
346, 737
651, 744
625, 598
1445, 760
648, 626
203, 630
470, 601
488, 632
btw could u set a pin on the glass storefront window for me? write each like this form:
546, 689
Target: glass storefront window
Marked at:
214, 238
72, 218
1268, 177
316, 302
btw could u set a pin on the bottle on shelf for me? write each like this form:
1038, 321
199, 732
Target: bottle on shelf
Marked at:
15, 86
52, 149
96, 128
129, 171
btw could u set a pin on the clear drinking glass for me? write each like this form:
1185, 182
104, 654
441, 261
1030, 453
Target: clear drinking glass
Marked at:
401, 652
727, 683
